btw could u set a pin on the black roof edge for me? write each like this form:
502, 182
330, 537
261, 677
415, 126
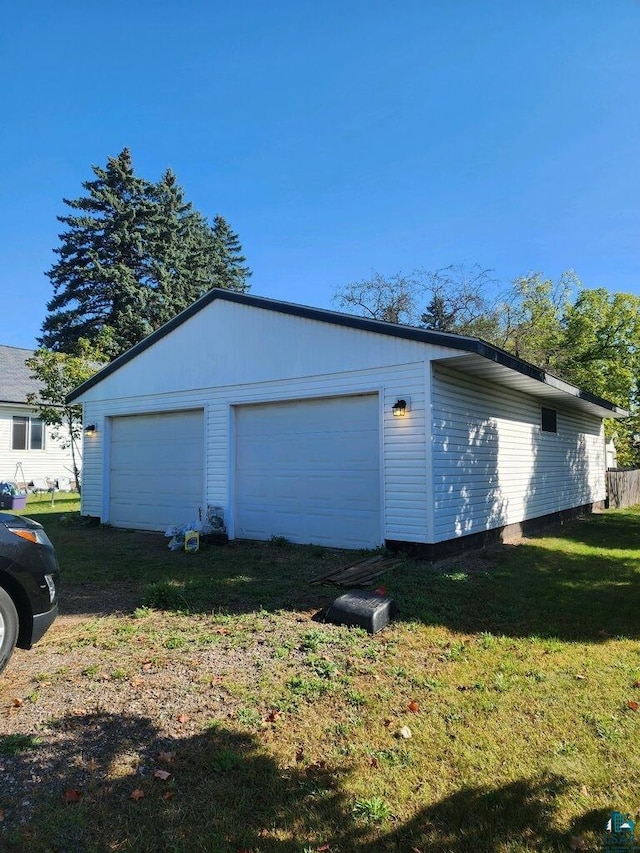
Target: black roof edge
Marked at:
411, 333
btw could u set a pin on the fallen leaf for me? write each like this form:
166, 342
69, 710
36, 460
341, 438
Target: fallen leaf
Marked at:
413, 707
636, 683
382, 590
386, 723
405, 733
168, 795
374, 763
136, 795
323, 848
1, 815
162, 774
147, 666
18, 703
137, 682
272, 716
299, 754
72, 795
183, 718
166, 757
633, 705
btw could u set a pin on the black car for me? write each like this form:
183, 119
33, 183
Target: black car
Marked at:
29, 575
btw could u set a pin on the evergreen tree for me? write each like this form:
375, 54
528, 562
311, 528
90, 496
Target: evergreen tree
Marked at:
96, 280
229, 267
180, 251
134, 254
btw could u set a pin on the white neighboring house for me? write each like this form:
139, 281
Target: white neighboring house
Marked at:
287, 417
24, 439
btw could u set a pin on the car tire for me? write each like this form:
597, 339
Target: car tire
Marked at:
8, 628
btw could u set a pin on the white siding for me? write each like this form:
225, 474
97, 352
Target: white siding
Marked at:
468, 456
403, 449
52, 462
493, 465
227, 344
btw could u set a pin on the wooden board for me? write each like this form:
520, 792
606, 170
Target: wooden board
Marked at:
360, 573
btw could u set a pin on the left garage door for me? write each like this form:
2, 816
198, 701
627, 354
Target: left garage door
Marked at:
156, 470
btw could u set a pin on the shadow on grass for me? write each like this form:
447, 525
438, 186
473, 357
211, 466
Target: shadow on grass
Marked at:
529, 590
587, 588
615, 531
226, 794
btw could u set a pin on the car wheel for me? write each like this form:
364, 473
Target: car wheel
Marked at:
8, 628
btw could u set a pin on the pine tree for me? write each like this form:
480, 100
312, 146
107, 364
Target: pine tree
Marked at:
229, 269
179, 253
134, 254
96, 280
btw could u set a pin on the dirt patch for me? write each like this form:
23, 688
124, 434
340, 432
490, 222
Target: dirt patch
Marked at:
83, 600
78, 701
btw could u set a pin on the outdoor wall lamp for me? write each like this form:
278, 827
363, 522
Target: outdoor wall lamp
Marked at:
90, 429
399, 409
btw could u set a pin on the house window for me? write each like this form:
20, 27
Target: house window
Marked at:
549, 420
27, 434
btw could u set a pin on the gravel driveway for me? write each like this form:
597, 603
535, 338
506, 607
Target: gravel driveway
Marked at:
73, 713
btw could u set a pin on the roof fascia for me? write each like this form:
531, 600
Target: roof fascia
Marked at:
323, 315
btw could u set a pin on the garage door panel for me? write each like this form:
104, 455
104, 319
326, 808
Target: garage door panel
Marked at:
319, 447
310, 471
156, 469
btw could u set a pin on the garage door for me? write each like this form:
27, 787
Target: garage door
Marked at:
310, 471
157, 464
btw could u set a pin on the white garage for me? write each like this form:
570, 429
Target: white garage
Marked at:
310, 471
156, 469
332, 429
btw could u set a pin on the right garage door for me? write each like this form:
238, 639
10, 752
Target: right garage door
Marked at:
310, 471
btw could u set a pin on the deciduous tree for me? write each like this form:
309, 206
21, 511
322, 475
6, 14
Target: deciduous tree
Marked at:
59, 373
590, 338
531, 318
392, 299
601, 353
461, 300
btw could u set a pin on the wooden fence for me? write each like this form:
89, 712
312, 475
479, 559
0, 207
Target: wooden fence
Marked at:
623, 487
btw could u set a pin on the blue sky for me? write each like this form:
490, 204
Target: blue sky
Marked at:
337, 137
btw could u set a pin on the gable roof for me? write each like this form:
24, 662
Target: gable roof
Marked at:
481, 359
15, 376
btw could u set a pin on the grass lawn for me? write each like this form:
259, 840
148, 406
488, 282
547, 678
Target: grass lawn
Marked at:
500, 711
